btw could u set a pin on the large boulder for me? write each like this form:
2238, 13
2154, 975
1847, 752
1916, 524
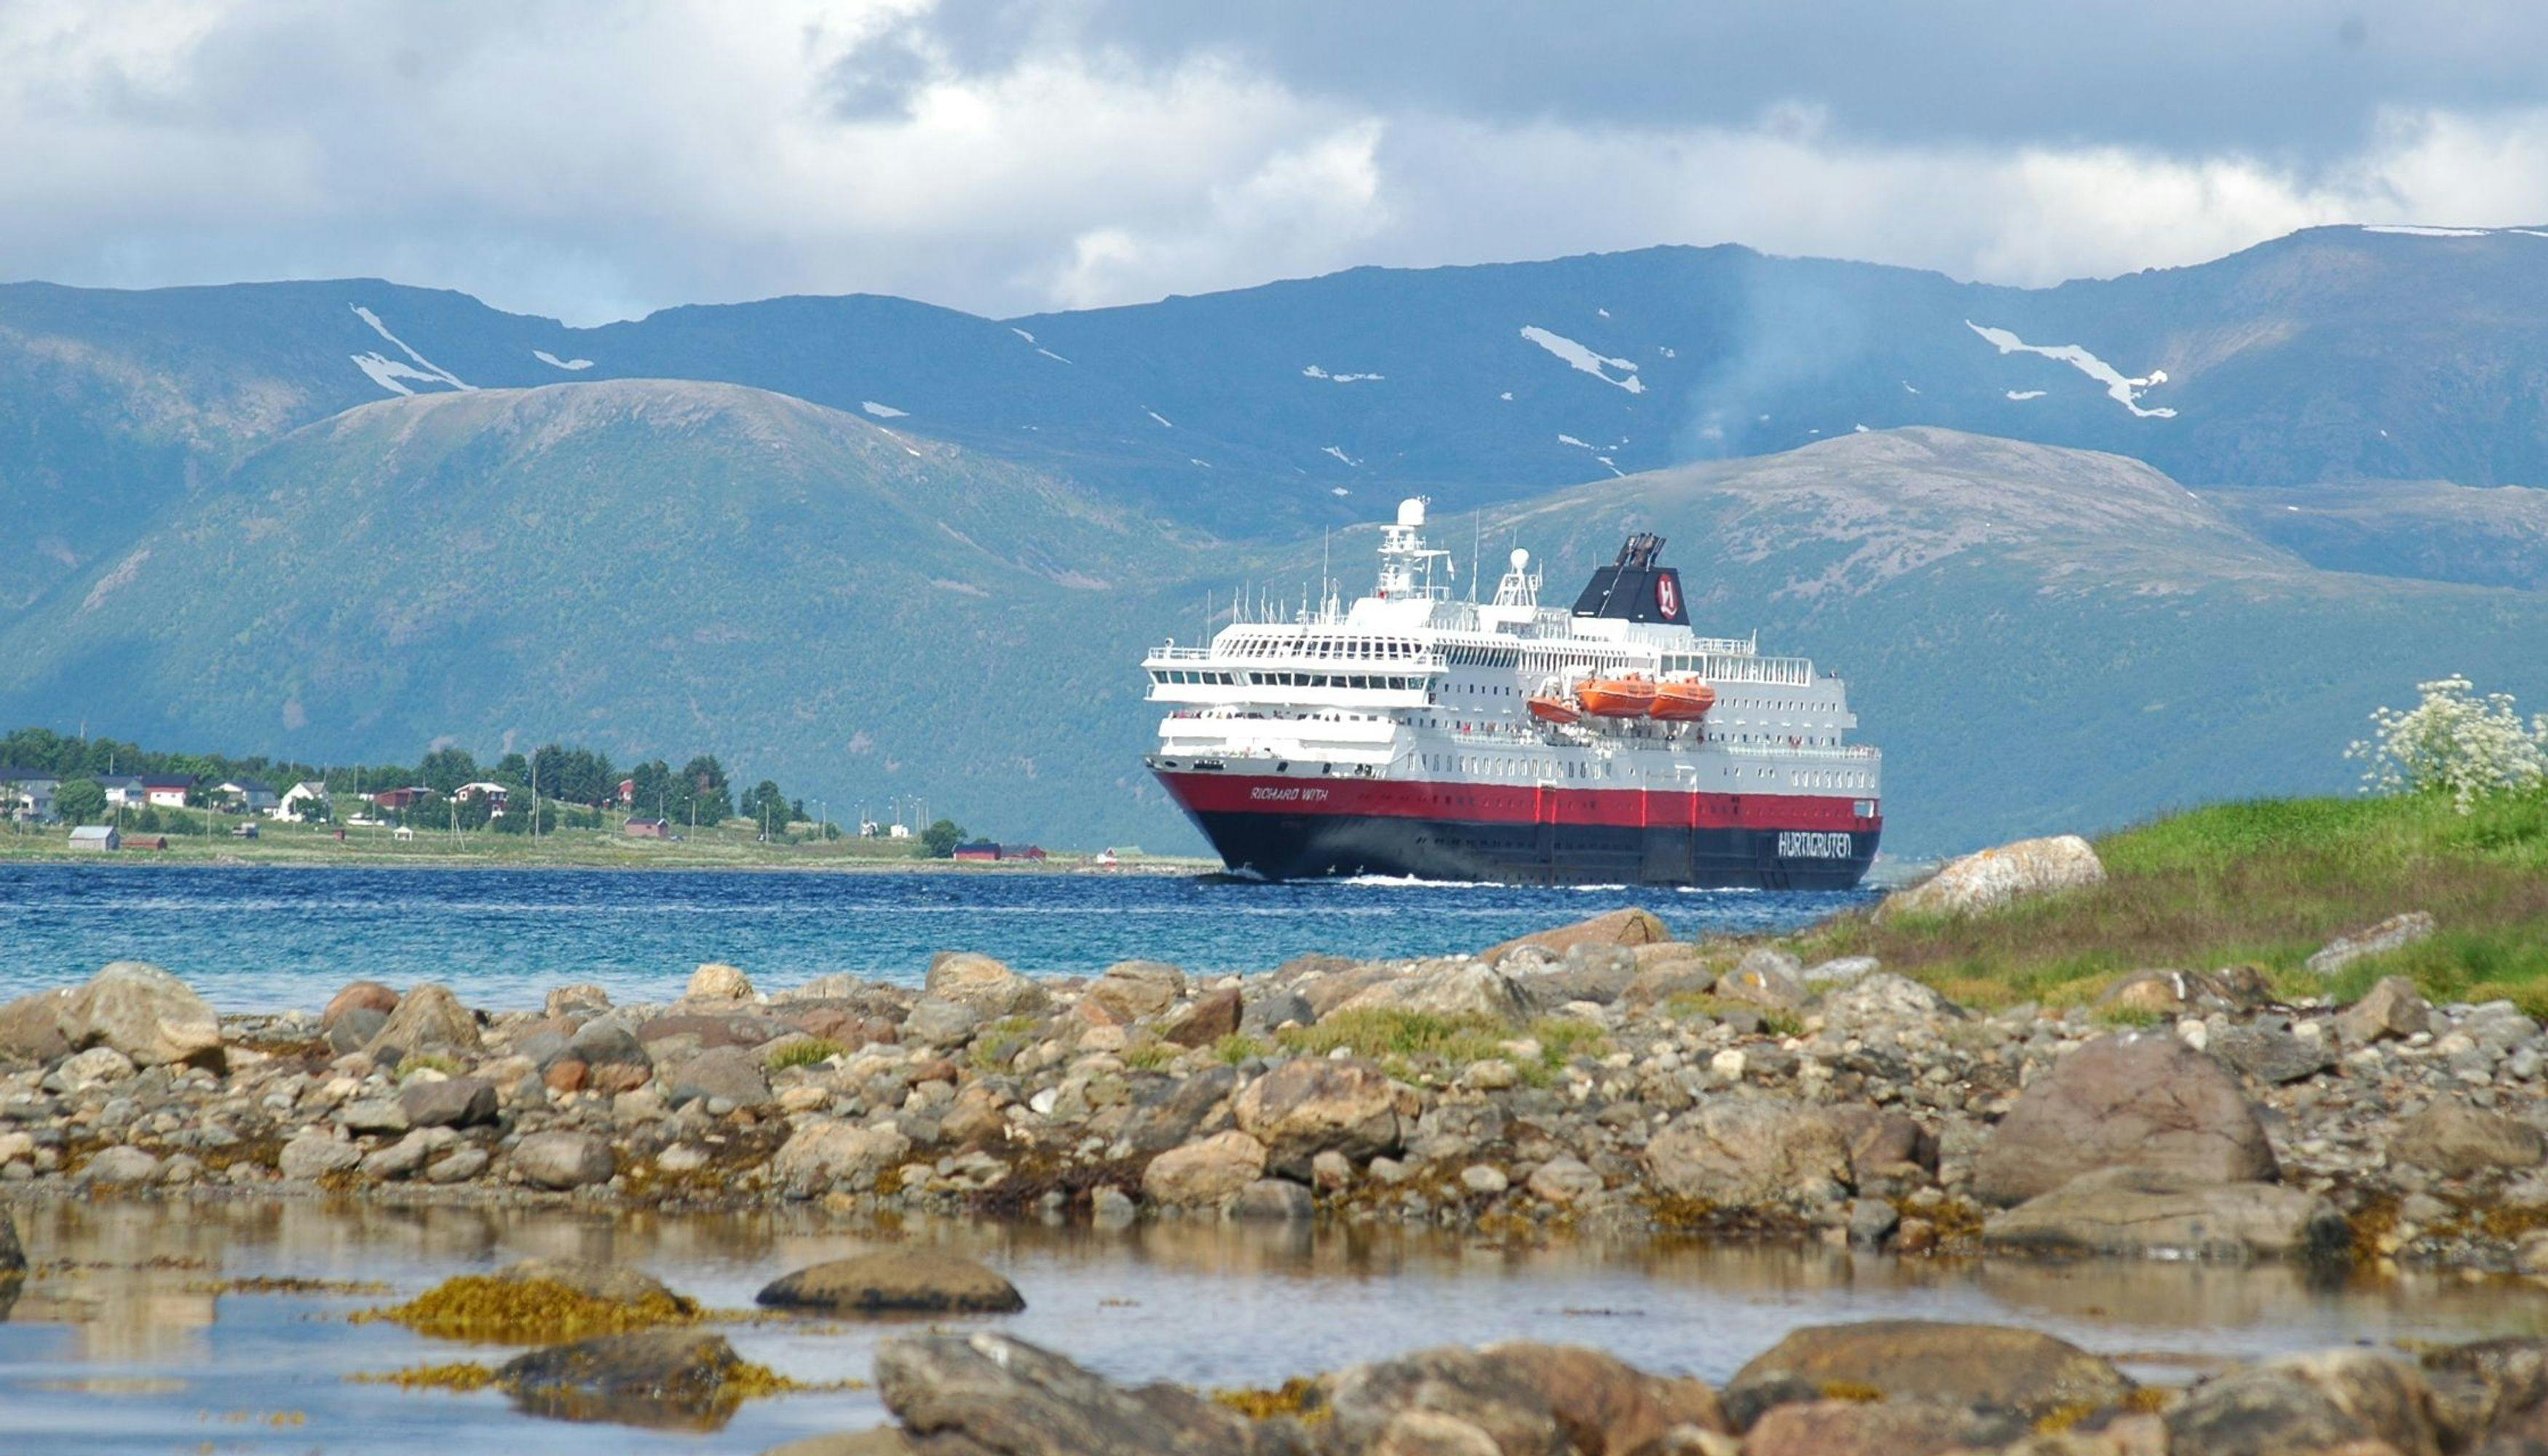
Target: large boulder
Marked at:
1991, 878
727, 1072
629, 1377
372, 997
715, 980
1973, 1367
1317, 1104
146, 1014
985, 985
612, 1057
1749, 1152
1874, 1429
1170, 1112
2135, 1100
992, 1394
1630, 927
314, 1155
1205, 1020
2457, 1141
1134, 989
1524, 1397
821, 1153
1471, 989
2392, 1009
1203, 1175
2344, 1401
562, 1160
2144, 1211
1765, 977
897, 1280
39, 1028
429, 1019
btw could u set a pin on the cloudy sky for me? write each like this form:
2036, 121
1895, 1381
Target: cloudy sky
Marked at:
599, 160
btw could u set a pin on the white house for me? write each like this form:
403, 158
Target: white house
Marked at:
247, 795
122, 790
307, 791
27, 793
496, 795
166, 791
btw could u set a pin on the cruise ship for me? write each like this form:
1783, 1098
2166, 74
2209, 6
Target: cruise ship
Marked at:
1417, 735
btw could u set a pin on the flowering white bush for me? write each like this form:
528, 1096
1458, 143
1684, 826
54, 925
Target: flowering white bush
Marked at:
2454, 742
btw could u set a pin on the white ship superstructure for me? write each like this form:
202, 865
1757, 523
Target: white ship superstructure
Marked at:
1414, 733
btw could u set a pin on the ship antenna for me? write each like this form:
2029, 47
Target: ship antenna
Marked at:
1476, 533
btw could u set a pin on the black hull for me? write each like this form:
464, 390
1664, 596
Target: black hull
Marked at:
1330, 845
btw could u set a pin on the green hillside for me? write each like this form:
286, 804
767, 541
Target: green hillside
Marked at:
631, 564
2039, 638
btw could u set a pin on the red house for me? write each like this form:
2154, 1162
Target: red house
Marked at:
648, 828
402, 798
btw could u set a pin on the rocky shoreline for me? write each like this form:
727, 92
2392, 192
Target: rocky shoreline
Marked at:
1601, 1078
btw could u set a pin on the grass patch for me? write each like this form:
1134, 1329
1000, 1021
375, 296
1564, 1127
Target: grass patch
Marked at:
1298, 1397
1150, 1057
428, 1061
478, 1306
1237, 1047
2267, 882
813, 1053
1402, 1041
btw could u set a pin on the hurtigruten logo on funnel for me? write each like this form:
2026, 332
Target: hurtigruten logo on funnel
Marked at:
1497, 738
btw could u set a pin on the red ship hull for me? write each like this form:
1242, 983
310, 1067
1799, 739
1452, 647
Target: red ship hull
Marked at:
1301, 827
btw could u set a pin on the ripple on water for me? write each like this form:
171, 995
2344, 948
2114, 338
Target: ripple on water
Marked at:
268, 938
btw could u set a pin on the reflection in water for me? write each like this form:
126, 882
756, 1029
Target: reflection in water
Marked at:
112, 1345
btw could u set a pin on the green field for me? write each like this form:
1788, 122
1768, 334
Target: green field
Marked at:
2265, 883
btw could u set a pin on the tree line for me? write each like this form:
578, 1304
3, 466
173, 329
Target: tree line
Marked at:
581, 782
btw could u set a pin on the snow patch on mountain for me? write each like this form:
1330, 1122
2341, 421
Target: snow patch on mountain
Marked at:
2124, 392
1341, 455
1313, 371
1022, 334
2411, 230
1050, 354
2025, 394
881, 411
1581, 358
1161, 418
554, 362
388, 372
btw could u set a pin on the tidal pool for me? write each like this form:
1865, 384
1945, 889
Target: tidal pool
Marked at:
131, 1335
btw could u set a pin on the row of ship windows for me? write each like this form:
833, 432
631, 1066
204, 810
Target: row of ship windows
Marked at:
1497, 768
1205, 678
1350, 646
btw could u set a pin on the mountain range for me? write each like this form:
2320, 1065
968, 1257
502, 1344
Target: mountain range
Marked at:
881, 547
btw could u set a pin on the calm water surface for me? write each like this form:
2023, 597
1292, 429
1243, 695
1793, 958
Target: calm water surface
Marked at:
274, 938
120, 1343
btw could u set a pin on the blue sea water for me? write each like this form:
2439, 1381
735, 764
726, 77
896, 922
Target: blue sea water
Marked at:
257, 939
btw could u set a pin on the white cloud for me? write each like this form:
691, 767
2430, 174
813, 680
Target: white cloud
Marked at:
595, 161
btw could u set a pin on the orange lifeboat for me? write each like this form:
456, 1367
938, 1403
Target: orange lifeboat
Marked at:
1616, 697
1684, 702
1549, 709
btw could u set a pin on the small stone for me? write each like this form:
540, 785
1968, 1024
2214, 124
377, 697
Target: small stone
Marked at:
1729, 1064
901, 1281
1204, 1173
373, 1115
1273, 1200
1483, 1178
2391, 1009
1110, 1207
1205, 1020
682, 1158
1330, 1171
1872, 1220
314, 1155
460, 1166
580, 999
717, 981
455, 1102
97, 1066
1491, 1074
429, 1019
562, 1160
1564, 1179
122, 1166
